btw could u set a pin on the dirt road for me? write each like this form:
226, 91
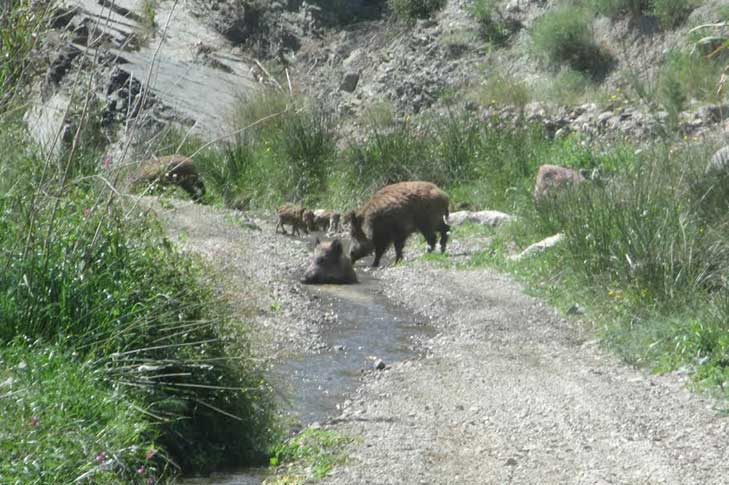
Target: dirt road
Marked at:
506, 391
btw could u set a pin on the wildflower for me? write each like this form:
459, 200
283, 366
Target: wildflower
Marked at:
34, 421
107, 162
152, 480
100, 457
141, 470
151, 453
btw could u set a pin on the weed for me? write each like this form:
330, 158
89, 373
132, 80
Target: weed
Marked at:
502, 88
149, 14
492, 24
308, 456
672, 13
564, 37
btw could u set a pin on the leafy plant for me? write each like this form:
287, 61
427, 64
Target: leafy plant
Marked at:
410, 10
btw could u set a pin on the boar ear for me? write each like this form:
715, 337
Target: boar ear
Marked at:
337, 247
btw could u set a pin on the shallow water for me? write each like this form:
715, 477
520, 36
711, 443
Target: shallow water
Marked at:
310, 386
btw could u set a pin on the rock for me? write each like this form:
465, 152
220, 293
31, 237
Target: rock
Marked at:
379, 364
485, 217
576, 309
511, 462
349, 83
719, 162
538, 247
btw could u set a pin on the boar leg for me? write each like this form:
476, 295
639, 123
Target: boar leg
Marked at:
399, 245
294, 230
280, 224
444, 228
431, 238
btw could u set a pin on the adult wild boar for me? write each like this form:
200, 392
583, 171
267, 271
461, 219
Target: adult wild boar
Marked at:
330, 265
552, 178
172, 170
293, 216
393, 213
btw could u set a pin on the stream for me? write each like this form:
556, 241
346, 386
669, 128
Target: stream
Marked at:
311, 386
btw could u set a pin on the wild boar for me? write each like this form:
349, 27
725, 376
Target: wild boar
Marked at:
326, 220
393, 213
309, 220
330, 265
293, 216
172, 170
551, 177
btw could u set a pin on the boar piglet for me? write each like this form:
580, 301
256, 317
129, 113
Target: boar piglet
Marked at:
292, 215
330, 265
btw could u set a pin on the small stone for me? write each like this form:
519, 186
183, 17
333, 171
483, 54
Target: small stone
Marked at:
379, 364
511, 462
349, 83
575, 309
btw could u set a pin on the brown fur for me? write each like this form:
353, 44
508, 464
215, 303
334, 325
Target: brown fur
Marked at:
550, 177
330, 265
293, 216
172, 170
393, 213
324, 220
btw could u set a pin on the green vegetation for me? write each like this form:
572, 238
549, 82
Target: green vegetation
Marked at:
149, 14
410, 10
563, 36
501, 88
670, 13
491, 22
308, 456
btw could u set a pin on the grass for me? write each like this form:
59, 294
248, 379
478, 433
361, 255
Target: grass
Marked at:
563, 36
411, 10
307, 457
491, 22
670, 13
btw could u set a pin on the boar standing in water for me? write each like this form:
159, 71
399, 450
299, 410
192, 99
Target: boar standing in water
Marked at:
395, 212
172, 170
293, 216
330, 265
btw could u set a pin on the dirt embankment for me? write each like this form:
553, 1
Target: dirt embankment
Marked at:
505, 392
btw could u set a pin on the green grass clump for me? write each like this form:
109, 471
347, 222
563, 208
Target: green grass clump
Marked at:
119, 333
672, 13
564, 37
501, 88
491, 23
612, 8
308, 456
410, 10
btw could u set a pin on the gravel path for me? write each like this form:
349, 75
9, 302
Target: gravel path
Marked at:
506, 391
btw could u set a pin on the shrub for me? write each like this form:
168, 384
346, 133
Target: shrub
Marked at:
491, 23
687, 75
612, 8
564, 36
672, 13
72, 264
409, 10
503, 89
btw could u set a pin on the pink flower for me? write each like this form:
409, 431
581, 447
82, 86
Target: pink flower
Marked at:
151, 453
34, 421
141, 469
87, 211
152, 480
106, 163
100, 457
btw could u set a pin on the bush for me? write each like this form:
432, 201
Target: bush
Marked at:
564, 37
672, 13
491, 23
409, 10
152, 361
612, 8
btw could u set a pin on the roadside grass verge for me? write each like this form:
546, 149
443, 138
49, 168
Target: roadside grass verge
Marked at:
644, 255
119, 363
307, 457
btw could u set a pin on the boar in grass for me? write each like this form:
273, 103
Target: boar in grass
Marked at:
553, 178
330, 265
393, 213
293, 216
176, 170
